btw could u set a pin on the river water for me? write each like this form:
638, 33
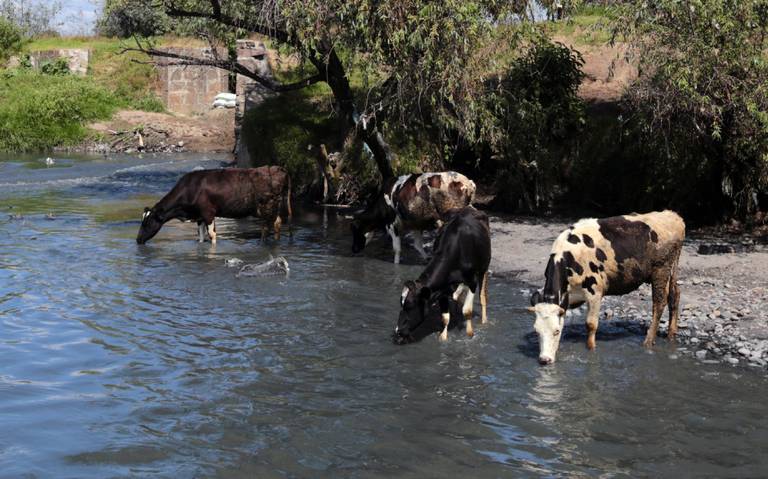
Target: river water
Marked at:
119, 360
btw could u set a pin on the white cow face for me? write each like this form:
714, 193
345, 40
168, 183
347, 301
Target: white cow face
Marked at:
549, 326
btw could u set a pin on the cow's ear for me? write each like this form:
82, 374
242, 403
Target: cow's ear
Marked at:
410, 285
146, 209
561, 312
425, 293
535, 298
531, 309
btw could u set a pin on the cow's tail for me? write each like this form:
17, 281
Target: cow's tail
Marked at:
287, 200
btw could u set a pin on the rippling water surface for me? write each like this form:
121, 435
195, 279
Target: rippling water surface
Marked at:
156, 361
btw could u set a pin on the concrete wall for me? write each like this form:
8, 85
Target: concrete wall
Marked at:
77, 59
190, 89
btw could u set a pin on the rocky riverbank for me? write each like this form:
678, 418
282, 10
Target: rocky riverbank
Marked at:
723, 296
132, 131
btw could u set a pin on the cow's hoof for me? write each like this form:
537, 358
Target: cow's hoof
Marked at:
648, 343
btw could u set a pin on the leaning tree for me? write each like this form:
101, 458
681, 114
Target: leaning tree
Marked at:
416, 60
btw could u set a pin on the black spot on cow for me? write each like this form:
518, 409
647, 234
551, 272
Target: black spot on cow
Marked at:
571, 263
593, 267
573, 239
600, 254
424, 193
602, 268
654, 237
588, 283
620, 268
588, 241
629, 239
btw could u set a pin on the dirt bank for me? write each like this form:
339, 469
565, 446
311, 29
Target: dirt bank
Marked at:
131, 131
723, 296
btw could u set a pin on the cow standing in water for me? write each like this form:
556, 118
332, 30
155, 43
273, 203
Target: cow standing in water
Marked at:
610, 256
203, 195
458, 267
412, 203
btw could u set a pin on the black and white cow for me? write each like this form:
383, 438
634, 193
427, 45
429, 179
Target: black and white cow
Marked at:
412, 203
203, 195
458, 267
609, 256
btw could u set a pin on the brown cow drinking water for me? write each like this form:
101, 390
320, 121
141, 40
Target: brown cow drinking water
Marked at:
203, 195
609, 256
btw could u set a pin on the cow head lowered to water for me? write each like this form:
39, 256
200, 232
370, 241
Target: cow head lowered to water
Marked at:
459, 266
550, 319
609, 256
150, 225
420, 314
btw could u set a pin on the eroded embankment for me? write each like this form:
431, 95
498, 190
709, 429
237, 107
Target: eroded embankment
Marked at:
723, 297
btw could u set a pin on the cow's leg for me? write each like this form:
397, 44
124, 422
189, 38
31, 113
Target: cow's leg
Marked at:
418, 243
200, 232
467, 310
445, 310
659, 293
593, 316
277, 223
484, 298
264, 231
674, 302
396, 241
212, 231
463, 290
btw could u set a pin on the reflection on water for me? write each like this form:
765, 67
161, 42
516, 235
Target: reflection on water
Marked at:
156, 361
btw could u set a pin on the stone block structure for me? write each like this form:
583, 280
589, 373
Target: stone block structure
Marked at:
190, 89
77, 59
253, 55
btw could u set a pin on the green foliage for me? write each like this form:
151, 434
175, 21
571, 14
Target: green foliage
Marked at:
125, 18
702, 98
32, 17
11, 39
536, 118
59, 66
38, 111
287, 130
126, 75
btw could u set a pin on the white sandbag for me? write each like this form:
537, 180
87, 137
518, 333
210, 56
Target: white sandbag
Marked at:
224, 104
226, 97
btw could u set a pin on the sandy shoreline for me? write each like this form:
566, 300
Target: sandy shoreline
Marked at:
723, 296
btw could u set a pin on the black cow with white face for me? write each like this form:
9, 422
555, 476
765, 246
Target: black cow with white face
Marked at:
609, 256
459, 266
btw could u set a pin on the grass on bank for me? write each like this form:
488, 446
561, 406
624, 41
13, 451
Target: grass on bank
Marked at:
39, 112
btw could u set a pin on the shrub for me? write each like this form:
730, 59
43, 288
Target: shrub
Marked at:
701, 103
38, 111
537, 116
11, 40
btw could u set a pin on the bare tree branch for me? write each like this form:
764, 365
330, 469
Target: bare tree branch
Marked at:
188, 60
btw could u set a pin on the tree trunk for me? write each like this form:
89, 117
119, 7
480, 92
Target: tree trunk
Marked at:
337, 79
